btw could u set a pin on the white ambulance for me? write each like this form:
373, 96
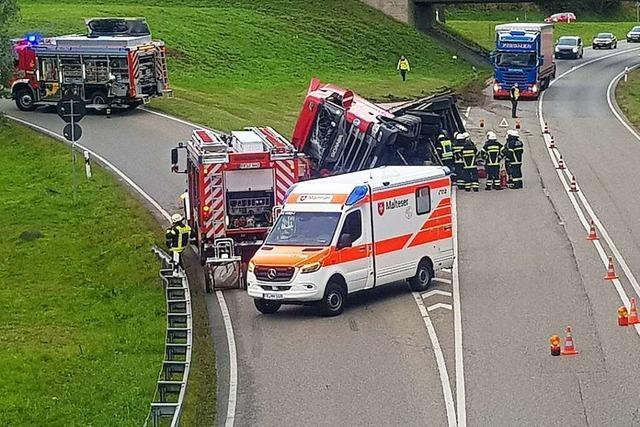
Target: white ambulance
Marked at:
352, 232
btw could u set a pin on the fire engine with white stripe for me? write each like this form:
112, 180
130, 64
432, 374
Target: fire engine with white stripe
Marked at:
115, 64
236, 182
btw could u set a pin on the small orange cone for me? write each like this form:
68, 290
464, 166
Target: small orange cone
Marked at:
552, 144
554, 345
611, 272
592, 232
633, 313
517, 123
481, 123
574, 186
623, 316
560, 164
546, 128
569, 348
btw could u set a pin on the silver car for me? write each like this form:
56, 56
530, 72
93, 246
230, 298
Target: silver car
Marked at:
633, 36
569, 47
605, 40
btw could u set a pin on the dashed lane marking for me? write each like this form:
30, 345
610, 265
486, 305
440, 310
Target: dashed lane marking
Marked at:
439, 305
426, 295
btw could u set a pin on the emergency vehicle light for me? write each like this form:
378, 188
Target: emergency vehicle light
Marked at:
34, 38
356, 195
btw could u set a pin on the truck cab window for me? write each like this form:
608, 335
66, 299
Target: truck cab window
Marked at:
423, 200
353, 225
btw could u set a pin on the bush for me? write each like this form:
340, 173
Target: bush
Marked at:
594, 6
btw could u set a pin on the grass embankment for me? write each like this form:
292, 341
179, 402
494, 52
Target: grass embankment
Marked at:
628, 98
479, 24
248, 62
81, 308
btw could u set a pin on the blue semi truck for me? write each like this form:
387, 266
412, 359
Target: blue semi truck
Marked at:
523, 55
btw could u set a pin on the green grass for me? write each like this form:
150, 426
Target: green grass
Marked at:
628, 98
81, 307
483, 32
249, 62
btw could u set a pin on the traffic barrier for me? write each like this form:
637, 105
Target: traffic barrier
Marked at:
573, 187
633, 312
569, 348
611, 271
623, 316
166, 407
546, 127
561, 165
592, 232
552, 143
554, 345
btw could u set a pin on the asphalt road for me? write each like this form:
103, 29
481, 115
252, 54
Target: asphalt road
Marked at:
526, 271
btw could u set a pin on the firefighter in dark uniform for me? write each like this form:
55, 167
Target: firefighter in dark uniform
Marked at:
470, 166
492, 153
444, 147
457, 158
177, 239
514, 95
513, 151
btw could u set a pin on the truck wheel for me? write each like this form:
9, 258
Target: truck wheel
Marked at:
421, 281
332, 304
267, 307
24, 100
99, 98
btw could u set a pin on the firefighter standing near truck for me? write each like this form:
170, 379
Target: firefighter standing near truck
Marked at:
514, 95
403, 67
513, 151
444, 147
470, 166
177, 239
492, 153
457, 158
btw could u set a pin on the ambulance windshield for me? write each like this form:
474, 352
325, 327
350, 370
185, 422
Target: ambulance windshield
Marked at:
304, 229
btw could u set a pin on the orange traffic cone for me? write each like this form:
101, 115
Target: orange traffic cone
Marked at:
623, 316
633, 313
574, 186
546, 128
552, 143
611, 272
554, 345
481, 123
517, 123
592, 232
569, 348
560, 164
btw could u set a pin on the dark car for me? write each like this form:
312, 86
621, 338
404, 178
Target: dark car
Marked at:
605, 40
634, 35
567, 17
569, 47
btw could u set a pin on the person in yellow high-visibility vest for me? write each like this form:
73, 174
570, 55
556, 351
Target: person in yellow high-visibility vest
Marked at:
403, 67
177, 239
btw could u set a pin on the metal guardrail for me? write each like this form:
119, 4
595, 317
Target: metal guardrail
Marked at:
171, 387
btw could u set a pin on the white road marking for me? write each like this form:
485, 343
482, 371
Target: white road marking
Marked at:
435, 292
620, 118
457, 319
466, 113
175, 119
572, 197
233, 364
439, 305
441, 280
442, 367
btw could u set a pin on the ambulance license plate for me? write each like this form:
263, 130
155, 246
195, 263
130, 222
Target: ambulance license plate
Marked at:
272, 296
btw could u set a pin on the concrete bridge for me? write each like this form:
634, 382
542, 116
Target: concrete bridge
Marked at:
422, 13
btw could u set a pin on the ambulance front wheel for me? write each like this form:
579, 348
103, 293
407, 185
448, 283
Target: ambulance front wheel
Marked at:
267, 307
421, 281
332, 304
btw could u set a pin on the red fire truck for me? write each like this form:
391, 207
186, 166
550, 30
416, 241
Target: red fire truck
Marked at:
234, 183
116, 64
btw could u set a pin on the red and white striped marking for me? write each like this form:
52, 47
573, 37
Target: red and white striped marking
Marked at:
285, 177
214, 199
134, 72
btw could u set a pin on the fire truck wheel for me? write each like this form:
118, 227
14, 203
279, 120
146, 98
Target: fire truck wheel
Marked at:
332, 303
422, 279
99, 98
24, 100
267, 307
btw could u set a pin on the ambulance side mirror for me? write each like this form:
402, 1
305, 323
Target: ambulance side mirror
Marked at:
344, 241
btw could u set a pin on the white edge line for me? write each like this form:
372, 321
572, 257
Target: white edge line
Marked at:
442, 367
175, 119
439, 305
457, 319
233, 364
466, 113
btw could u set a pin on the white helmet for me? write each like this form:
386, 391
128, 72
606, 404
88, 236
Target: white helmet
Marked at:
513, 132
175, 218
465, 135
460, 137
491, 136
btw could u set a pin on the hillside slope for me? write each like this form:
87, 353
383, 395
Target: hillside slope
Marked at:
249, 62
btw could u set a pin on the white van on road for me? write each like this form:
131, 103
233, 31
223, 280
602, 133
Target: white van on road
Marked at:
352, 232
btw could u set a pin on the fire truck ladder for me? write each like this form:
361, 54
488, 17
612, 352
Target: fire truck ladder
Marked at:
162, 74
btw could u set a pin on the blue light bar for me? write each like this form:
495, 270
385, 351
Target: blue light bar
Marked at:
356, 195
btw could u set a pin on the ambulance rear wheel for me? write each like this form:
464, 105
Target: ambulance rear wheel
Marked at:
24, 100
267, 307
421, 281
332, 304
